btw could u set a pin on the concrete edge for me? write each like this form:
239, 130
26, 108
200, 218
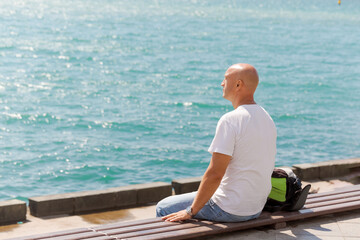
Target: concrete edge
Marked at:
327, 169
185, 185
99, 200
12, 211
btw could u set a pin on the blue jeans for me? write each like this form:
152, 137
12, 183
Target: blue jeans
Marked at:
210, 211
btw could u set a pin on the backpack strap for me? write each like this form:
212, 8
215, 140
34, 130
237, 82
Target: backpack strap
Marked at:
301, 199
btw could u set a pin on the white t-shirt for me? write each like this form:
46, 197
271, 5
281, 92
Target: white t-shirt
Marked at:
248, 134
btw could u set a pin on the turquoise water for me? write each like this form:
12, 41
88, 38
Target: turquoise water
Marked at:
96, 94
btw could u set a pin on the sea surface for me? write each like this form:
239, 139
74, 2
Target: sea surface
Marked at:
102, 93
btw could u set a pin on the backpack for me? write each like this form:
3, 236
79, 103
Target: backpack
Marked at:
286, 192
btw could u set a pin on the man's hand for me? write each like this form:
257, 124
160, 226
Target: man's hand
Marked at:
178, 216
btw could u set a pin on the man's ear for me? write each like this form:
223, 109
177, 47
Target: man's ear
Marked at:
240, 83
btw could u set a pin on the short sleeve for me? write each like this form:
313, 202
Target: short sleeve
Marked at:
224, 139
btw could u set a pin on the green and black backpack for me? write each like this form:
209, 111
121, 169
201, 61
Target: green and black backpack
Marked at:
286, 192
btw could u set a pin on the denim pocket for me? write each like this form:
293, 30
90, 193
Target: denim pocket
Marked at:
211, 202
217, 211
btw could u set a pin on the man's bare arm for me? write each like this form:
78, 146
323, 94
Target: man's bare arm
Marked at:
209, 183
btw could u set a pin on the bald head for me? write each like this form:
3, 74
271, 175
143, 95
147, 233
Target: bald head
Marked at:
244, 72
240, 83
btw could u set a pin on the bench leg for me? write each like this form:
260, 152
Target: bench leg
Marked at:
279, 225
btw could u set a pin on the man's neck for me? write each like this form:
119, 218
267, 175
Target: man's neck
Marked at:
240, 102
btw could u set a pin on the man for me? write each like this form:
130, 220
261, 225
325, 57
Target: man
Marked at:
237, 182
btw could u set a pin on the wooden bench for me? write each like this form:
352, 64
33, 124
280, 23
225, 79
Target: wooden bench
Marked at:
344, 199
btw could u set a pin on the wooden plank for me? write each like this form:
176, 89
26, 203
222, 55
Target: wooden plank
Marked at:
327, 199
262, 220
142, 227
332, 208
333, 197
316, 211
205, 230
126, 224
77, 236
352, 188
169, 228
54, 234
102, 238
332, 202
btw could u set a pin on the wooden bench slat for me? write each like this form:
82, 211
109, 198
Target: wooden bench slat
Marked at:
172, 226
347, 189
126, 224
179, 234
206, 230
332, 197
261, 221
78, 236
138, 228
313, 212
54, 234
101, 238
325, 200
144, 233
332, 202
333, 208
161, 226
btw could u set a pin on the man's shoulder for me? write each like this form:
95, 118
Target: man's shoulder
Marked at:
246, 114
238, 112
235, 115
